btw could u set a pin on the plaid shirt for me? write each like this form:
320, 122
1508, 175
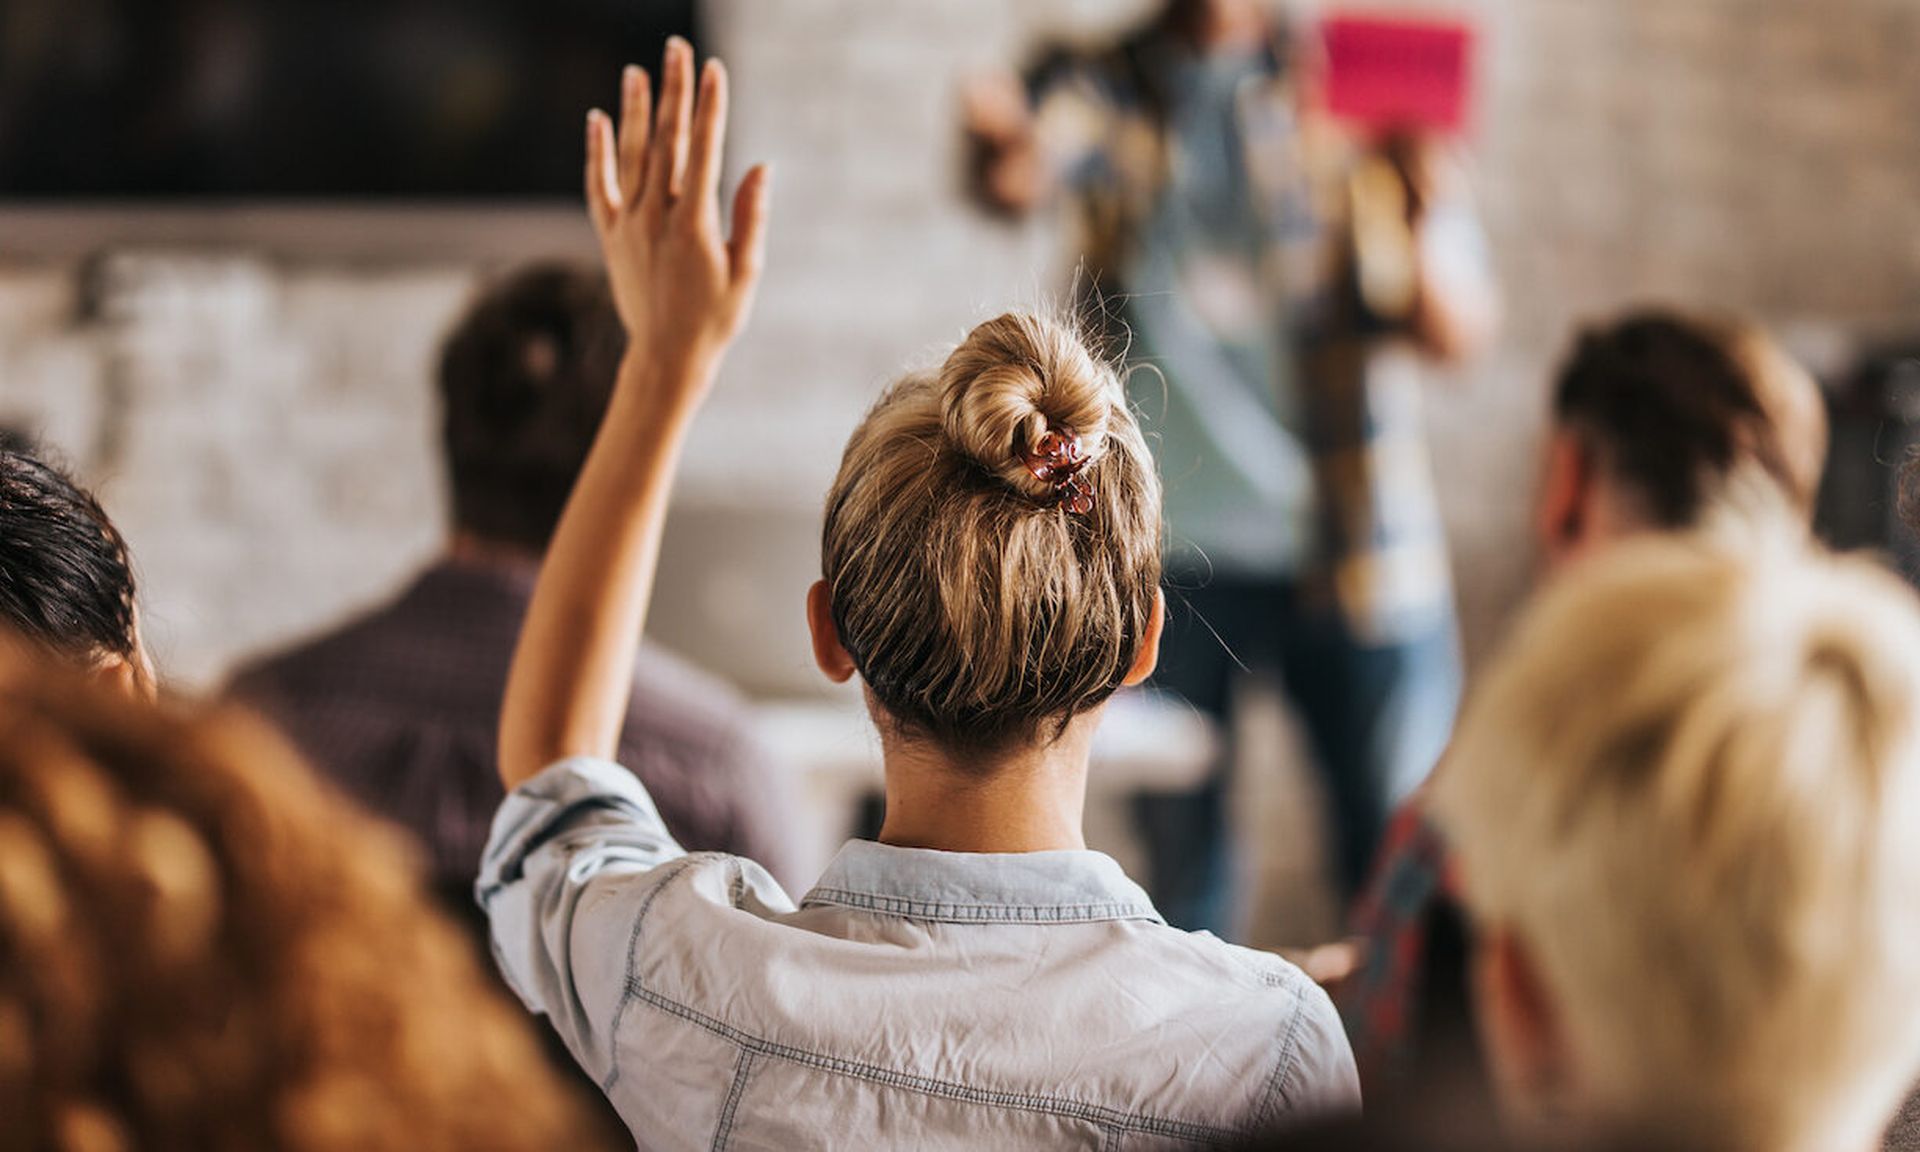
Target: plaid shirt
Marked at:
401, 707
1904, 1135
1377, 545
1381, 1001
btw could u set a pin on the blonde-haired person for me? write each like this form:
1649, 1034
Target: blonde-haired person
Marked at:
1683, 801
1662, 422
202, 946
976, 978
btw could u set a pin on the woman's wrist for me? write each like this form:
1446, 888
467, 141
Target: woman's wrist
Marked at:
663, 392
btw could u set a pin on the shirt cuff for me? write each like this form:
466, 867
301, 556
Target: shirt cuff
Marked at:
579, 793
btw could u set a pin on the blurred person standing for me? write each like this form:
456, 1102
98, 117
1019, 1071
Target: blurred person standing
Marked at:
1283, 281
402, 706
1662, 422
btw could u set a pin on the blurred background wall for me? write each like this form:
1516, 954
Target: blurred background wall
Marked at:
255, 401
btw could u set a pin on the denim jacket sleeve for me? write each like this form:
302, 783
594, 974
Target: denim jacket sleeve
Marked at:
574, 857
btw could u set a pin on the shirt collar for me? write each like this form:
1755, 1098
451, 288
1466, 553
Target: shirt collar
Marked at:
1066, 887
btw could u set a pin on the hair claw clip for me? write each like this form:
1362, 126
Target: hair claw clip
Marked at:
1058, 459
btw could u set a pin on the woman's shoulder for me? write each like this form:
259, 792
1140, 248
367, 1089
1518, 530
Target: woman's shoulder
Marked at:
1310, 1068
1247, 979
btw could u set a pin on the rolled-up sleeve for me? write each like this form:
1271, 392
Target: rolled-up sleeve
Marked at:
574, 855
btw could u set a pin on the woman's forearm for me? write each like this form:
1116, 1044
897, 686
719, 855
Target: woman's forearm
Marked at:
683, 286
571, 680
1455, 321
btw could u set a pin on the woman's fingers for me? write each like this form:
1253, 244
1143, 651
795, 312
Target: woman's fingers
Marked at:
636, 118
603, 183
702, 194
667, 156
679, 157
747, 246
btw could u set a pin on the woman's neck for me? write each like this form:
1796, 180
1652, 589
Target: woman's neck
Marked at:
1031, 799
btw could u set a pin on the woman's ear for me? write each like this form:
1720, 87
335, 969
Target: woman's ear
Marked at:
1148, 658
1531, 1064
828, 652
133, 677
1566, 485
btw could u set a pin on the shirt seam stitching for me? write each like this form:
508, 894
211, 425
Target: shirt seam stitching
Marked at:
1275, 1095
982, 911
724, 1133
1096, 1114
633, 980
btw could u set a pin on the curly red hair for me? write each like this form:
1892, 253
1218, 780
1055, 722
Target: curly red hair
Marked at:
202, 946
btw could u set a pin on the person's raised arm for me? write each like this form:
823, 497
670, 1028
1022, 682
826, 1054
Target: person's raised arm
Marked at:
683, 286
1456, 311
1007, 169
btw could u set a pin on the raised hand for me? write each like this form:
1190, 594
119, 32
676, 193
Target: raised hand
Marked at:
993, 107
683, 288
1005, 169
682, 285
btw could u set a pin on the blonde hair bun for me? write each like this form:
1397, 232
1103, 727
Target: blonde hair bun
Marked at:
983, 605
1012, 380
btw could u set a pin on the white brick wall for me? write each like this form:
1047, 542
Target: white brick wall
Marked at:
262, 427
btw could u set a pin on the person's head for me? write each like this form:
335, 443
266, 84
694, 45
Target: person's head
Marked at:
524, 380
1663, 421
1684, 802
1202, 9
202, 946
66, 580
981, 612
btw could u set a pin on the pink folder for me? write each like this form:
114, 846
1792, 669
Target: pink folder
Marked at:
1386, 72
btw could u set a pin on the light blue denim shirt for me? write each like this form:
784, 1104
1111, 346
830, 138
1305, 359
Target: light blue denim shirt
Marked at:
913, 999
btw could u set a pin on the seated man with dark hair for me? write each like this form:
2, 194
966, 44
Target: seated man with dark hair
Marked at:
401, 706
1660, 423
